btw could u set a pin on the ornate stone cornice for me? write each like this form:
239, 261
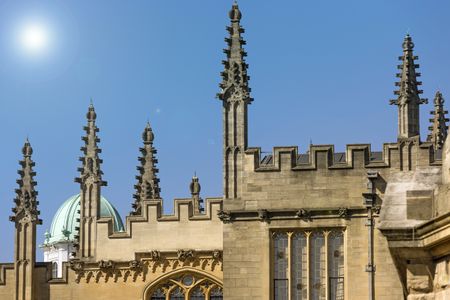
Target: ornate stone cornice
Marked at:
145, 263
305, 214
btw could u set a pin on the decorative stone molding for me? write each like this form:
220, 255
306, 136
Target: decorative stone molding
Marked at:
305, 214
148, 262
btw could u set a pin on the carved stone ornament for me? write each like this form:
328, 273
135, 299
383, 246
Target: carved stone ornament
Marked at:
343, 212
106, 264
224, 216
217, 254
376, 209
303, 214
76, 265
184, 255
155, 255
263, 215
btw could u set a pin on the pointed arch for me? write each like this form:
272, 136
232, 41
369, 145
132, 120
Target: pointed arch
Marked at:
187, 279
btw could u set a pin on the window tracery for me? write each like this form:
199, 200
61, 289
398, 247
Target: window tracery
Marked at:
308, 264
187, 287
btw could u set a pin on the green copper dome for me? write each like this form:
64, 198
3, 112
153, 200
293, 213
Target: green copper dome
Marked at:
65, 219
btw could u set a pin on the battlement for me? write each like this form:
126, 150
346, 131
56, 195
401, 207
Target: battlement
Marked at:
5, 267
153, 213
403, 155
143, 232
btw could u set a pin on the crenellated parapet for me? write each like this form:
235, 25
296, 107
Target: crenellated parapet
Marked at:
403, 155
153, 212
183, 229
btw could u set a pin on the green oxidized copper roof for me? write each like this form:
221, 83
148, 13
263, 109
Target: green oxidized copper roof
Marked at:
65, 219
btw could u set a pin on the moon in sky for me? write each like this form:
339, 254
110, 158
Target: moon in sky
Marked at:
34, 38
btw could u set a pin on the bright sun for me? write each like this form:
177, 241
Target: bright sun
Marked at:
34, 38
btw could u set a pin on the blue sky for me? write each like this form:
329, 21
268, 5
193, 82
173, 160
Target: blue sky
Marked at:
320, 70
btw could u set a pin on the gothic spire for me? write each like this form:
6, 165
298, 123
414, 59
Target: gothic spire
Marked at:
408, 99
90, 171
147, 187
438, 128
234, 84
26, 209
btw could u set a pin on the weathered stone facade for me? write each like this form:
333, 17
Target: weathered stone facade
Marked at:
315, 225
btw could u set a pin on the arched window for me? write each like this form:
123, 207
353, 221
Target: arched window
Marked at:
187, 286
158, 295
177, 294
197, 294
216, 294
54, 270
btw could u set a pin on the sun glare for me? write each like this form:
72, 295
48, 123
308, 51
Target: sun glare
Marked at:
34, 38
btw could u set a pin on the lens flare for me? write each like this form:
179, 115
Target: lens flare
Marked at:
34, 38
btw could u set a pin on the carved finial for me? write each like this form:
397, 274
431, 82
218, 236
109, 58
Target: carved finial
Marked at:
234, 86
26, 210
408, 45
91, 115
438, 128
147, 187
147, 135
235, 14
408, 99
195, 188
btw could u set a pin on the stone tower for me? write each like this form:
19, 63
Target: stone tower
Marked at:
235, 96
408, 99
147, 187
26, 217
90, 181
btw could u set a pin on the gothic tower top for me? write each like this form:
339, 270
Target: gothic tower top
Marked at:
26, 210
408, 99
147, 187
90, 161
234, 86
438, 127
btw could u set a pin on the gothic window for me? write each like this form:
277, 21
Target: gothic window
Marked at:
216, 294
299, 266
186, 287
54, 270
158, 295
197, 294
336, 265
280, 266
308, 265
176, 294
317, 259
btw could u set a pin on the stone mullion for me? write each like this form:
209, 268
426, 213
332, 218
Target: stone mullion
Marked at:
308, 264
326, 235
289, 267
